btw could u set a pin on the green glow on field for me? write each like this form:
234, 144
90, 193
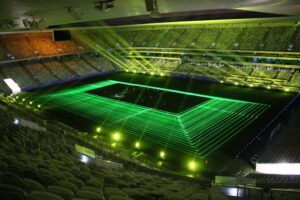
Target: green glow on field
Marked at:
199, 130
30, 102
39, 106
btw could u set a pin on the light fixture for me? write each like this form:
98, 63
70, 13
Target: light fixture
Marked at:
116, 136
137, 145
162, 154
98, 129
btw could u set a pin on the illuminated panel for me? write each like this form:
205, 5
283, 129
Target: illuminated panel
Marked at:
85, 151
278, 168
199, 130
12, 85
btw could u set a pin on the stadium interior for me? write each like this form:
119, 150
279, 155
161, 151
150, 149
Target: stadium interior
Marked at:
149, 100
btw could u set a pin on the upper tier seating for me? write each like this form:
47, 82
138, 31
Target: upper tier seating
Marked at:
29, 45
250, 36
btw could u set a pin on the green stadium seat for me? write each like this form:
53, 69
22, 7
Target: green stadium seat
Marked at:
130, 191
89, 195
67, 174
121, 183
30, 172
92, 189
59, 176
136, 194
109, 181
32, 185
142, 197
215, 195
44, 172
75, 170
79, 183
97, 178
83, 176
155, 194
176, 197
98, 174
199, 196
69, 185
119, 198
79, 198
12, 179
41, 195
3, 166
95, 183
65, 193
48, 180
10, 192
16, 168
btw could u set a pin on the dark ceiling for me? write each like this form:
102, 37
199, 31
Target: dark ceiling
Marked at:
55, 12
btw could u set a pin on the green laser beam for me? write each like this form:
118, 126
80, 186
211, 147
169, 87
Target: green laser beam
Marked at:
200, 130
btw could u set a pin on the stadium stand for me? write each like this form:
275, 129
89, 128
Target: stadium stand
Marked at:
42, 165
45, 71
282, 148
28, 45
243, 47
251, 36
40, 162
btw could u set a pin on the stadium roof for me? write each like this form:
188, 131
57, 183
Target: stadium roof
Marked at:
56, 12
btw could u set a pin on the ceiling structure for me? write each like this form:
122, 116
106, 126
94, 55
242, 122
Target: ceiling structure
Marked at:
56, 12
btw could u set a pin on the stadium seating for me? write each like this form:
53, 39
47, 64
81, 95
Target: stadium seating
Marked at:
240, 40
31, 45
240, 35
38, 72
41, 165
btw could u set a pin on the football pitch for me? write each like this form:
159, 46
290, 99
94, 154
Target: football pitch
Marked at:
192, 123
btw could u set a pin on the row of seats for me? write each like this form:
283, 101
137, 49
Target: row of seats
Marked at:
254, 76
33, 73
28, 45
39, 165
285, 145
239, 37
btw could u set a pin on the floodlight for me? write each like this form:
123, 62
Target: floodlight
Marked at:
116, 136
98, 129
137, 145
192, 165
162, 154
